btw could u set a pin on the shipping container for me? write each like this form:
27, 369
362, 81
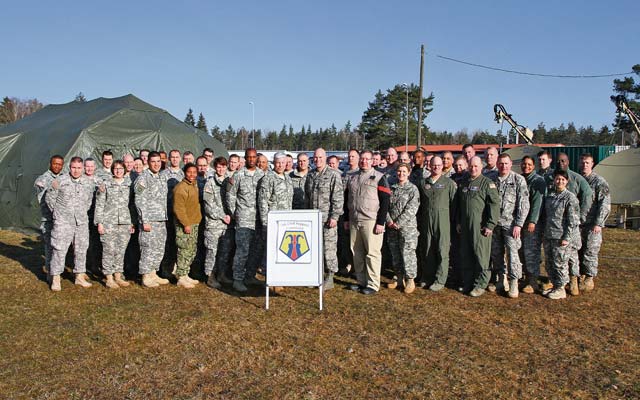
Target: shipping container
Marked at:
574, 153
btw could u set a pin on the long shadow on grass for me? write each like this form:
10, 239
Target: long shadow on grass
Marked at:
30, 255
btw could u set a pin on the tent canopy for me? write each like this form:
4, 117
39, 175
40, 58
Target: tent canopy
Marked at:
123, 125
622, 172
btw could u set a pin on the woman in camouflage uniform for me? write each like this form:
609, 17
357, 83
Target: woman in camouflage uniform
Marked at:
402, 229
113, 219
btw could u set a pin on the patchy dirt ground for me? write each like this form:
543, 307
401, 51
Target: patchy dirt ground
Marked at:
170, 343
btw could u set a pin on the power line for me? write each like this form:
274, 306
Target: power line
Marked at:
530, 73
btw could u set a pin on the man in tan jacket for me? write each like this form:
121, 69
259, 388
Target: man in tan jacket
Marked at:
186, 209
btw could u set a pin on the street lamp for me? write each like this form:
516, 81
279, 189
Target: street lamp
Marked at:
253, 124
406, 133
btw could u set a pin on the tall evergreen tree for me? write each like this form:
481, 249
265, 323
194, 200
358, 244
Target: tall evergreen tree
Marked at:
202, 124
189, 119
630, 90
80, 98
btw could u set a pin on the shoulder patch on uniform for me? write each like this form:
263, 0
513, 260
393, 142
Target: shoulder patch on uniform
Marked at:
492, 186
55, 184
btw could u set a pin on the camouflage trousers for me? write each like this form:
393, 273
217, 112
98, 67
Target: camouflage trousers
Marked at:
503, 243
531, 249
557, 261
218, 240
245, 264
187, 244
152, 246
402, 246
330, 254
114, 244
45, 229
591, 243
62, 236
574, 258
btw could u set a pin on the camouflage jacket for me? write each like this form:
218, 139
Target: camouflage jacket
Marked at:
113, 205
214, 198
41, 186
298, 181
150, 197
491, 173
562, 217
601, 200
241, 196
403, 206
578, 186
274, 193
70, 199
324, 192
173, 177
514, 199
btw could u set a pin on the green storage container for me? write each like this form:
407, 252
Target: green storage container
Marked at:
599, 153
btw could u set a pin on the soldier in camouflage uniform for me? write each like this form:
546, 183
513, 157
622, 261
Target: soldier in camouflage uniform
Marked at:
298, 180
241, 200
561, 233
173, 174
546, 169
447, 164
437, 195
42, 185
112, 218
275, 192
345, 261
533, 225
578, 186
69, 198
591, 229
478, 211
187, 214
218, 234
104, 173
324, 192
490, 170
151, 204
402, 225
514, 208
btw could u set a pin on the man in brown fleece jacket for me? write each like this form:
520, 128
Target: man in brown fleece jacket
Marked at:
186, 209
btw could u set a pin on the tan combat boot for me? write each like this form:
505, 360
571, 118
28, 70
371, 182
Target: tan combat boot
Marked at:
547, 286
393, 284
532, 285
111, 283
160, 281
149, 281
55, 283
120, 280
557, 294
409, 286
513, 289
573, 286
184, 282
588, 283
192, 281
81, 280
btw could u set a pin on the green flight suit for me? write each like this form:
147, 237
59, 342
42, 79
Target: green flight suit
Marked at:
437, 201
478, 207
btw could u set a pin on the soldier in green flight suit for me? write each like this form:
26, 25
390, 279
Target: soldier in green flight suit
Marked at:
478, 210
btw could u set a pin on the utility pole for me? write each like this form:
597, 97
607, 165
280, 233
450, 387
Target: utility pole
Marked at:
420, 98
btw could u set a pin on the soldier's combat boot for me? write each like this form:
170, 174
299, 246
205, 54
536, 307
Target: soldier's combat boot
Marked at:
393, 284
573, 286
532, 285
55, 283
588, 284
111, 283
239, 286
328, 282
81, 280
277, 289
159, 280
120, 280
224, 279
253, 281
513, 288
547, 286
557, 294
185, 283
436, 287
409, 286
191, 280
476, 292
149, 281
502, 284
212, 281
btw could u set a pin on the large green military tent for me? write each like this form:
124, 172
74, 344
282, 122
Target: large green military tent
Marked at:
622, 172
123, 125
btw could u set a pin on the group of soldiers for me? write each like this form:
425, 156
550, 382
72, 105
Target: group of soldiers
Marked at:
437, 220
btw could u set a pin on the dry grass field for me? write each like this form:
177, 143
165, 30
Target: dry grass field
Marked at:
168, 343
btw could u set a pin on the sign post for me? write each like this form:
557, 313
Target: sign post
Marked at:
294, 250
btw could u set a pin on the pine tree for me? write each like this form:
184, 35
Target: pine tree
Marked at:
80, 98
189, 119
202, 124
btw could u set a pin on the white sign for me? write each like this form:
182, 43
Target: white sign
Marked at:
294, 249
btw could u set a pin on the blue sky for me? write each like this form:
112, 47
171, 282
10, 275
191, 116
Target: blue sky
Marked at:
318, 63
